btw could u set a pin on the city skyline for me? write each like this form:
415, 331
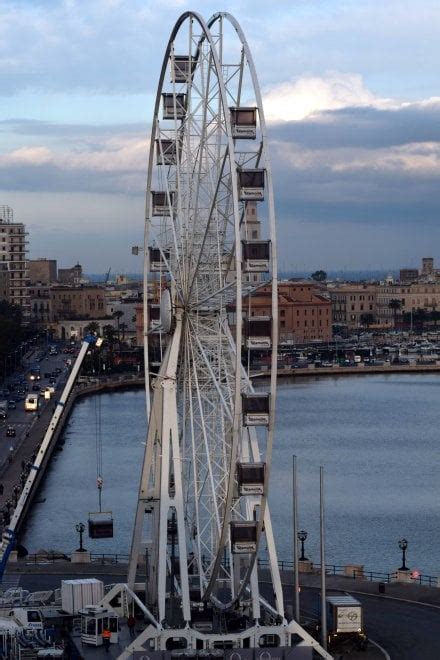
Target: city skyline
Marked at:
350, 91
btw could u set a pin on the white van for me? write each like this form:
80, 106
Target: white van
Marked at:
31, 402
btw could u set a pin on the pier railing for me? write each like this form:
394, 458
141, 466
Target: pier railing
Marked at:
414, 577
359, 573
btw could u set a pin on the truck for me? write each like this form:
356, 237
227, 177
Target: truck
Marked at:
345, 621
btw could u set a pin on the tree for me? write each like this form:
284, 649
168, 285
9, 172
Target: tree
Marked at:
367, 319
319, 276
395, 304
124, 328
118, 315
91, 328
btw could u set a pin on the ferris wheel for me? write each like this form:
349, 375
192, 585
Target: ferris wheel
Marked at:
202, 512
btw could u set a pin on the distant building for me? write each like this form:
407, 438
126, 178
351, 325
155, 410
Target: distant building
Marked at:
427, 266
351, 301
421, 295
408, 275
72, 276
304, 311
81, 302
13, 251
41, 304
42, 270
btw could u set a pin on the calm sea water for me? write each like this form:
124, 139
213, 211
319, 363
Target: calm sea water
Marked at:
376, 436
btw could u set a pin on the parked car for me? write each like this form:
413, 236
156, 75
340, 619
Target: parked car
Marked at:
35, 388
12, 405
10, 432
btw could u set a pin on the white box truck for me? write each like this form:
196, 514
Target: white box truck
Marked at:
345, 621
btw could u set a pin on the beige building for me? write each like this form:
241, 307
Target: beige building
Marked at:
41, 305
81, 302
411, 297
351, 301
42, 270
71, 276
13, 251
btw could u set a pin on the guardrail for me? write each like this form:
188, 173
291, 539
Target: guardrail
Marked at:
360, 573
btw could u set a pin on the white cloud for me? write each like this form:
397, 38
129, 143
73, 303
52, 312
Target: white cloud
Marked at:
295, 100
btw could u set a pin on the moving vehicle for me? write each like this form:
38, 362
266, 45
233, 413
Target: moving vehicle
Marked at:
12, 405
345, 621
10, 432
31, 402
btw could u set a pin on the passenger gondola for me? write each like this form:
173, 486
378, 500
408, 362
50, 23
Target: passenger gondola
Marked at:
174, 106
255, 409
250, 478
251, 184
181, 68
243, 537
157, 263
244, 123
256, 256
166, 152
161, 202
258, 332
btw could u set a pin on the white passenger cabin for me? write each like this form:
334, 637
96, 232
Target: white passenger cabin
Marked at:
244, 123
157, 264
255, 256
166, 152
258, 332
251, 184
255, 409
250, 478
181, 68
160, 202
154, 317
173, 106
243, 537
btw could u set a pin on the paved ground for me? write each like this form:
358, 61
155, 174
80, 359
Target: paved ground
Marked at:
405, 620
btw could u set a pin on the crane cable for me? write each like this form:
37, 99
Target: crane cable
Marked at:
98, 446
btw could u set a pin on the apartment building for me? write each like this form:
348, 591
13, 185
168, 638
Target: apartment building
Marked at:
13, 251
423, 295
81, 302
351, 302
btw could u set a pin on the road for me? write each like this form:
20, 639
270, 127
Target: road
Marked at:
407, 631
20, 419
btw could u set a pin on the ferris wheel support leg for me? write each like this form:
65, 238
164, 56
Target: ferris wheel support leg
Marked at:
273, 562
256, 610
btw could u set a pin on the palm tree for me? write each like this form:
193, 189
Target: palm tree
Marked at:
92, 328
123, 327
118, 315
395, 304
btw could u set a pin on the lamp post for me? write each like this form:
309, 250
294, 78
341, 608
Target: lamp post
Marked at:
403, 544
80, 527
302, 536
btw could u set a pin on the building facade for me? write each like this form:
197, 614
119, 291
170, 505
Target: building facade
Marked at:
304, 311
82, 302
411, 297
351, 303
13, 258
43, 270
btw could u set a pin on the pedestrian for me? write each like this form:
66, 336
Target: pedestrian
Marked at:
131, 622
2, 489
106, 637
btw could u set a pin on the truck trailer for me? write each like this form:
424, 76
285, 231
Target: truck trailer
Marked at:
345, 621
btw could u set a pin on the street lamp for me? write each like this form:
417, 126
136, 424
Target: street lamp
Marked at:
80, 527
302, 536
403, 544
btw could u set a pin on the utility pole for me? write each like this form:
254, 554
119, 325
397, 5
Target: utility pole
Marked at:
296, 611
322, 536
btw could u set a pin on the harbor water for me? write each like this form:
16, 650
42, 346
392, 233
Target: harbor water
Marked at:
376, 436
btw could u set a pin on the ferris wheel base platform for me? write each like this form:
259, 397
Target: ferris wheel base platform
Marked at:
288, 641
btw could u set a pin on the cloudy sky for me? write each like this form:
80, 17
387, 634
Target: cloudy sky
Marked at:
351, 89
